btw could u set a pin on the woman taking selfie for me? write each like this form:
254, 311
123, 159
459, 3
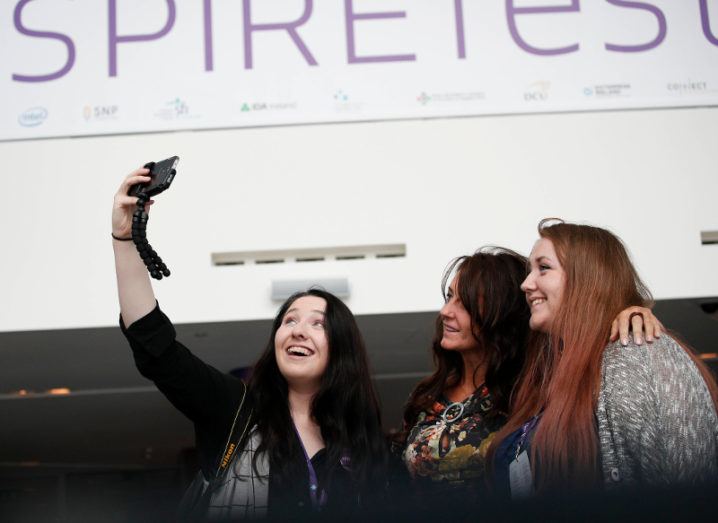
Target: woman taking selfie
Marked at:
478, 349
302, 439
593, 415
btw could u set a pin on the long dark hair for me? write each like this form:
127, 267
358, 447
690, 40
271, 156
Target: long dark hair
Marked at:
488, 284
345, 407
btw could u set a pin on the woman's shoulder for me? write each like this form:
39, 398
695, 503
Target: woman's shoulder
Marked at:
647, 358
659, 369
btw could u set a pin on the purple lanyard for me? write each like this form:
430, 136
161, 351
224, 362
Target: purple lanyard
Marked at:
321, 500
525, 431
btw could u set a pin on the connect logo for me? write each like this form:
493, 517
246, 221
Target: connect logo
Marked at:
32, 117
687, 87
341, 96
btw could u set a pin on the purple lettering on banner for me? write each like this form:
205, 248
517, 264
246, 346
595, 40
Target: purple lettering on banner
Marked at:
460, 40
649, 45
17, 19
706, 23
351, 16
512, 11
208, 47
290, 27
115, 39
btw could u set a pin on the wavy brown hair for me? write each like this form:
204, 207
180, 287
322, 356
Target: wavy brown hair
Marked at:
488, 285
562, 376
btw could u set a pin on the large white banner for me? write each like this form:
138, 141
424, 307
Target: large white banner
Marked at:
86, 67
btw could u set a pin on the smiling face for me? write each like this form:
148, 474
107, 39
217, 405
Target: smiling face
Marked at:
300, 344
456, 321
544, 285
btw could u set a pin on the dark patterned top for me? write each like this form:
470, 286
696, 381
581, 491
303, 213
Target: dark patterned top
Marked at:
447, 446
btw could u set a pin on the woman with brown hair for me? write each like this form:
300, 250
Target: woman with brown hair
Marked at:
478, 350
590, 415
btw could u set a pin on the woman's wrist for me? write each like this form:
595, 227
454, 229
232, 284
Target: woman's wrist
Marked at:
120, 238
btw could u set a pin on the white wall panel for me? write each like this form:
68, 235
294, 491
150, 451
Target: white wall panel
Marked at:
443, 187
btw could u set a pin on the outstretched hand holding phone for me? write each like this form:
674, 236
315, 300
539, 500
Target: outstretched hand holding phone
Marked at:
133, 283
124, 204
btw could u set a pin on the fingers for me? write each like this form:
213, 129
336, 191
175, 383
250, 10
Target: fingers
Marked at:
659, 330
637, 328
139, 172
652, 326
614, 331
132, 180
623, 320
123, 200
638, 320
135, 177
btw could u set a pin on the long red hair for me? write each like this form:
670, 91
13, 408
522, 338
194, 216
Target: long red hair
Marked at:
562, 374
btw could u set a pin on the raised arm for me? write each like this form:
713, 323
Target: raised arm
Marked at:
205, 395
133, 282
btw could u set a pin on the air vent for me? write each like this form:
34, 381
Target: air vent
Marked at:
311, 255
709, 237
283, 289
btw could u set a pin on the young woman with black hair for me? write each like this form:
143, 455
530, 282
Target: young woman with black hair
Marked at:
302, 439
479, 348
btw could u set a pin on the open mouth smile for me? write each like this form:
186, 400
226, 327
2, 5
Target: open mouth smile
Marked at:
298, 350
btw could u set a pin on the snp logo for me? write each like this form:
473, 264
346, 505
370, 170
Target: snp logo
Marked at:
100, 112
537, 92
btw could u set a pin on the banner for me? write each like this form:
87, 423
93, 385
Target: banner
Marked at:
89, 67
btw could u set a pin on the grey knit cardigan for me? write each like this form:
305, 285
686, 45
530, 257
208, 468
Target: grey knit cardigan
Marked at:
657, 424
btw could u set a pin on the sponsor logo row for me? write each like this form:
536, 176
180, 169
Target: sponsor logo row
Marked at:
536, 92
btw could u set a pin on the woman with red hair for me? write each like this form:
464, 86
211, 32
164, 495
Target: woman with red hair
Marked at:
589, 415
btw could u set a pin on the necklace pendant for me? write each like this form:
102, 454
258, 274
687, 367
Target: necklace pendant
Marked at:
453, 412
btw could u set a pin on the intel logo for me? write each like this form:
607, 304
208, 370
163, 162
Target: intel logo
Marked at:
32, 117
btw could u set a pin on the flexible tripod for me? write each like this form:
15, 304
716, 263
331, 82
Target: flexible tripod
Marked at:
161, 173
153, 262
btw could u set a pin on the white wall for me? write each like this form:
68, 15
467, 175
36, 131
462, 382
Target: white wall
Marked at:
443, 187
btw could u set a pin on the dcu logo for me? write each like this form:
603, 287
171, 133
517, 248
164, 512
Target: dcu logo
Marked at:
32, 117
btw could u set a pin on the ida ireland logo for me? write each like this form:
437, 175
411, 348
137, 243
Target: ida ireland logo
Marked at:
32, 117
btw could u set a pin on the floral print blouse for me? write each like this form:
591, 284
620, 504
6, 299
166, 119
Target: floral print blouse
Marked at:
447, 446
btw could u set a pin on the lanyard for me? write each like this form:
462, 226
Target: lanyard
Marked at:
317, 501
526, 429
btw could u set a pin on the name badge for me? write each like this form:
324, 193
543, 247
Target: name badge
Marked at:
520, 477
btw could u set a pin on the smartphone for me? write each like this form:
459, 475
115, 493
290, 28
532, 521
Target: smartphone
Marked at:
162, 174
